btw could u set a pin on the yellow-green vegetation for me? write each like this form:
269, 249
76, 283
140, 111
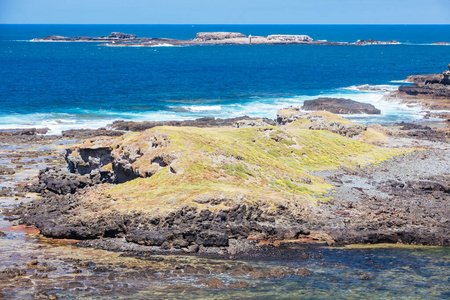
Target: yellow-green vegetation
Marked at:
268, 164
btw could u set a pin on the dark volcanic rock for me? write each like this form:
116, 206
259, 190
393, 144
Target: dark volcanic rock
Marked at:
27, 131
340, 106
404, 200
201, 122
430, 85
90, 133
433, 89
62, 182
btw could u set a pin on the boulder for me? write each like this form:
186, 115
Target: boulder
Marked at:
340, 106
289, 115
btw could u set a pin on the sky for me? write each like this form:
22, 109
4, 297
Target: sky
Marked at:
225, 11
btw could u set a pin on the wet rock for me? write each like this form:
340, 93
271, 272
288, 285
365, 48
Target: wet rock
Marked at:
12, 273
302, 272
40, 276
6, 170
213, 283
279, 272
241, 271
339, 106
258, 274
32, 264
2, 234
50, 269
365, 276
24, 281
84, 264
43, 295
100, 269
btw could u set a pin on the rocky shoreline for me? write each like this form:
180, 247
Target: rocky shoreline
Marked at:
118, 39
431, 91
401, 200
364, 198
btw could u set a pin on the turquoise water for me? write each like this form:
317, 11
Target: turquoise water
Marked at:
74, 85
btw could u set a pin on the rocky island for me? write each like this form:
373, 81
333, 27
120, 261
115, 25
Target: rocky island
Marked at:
207, 38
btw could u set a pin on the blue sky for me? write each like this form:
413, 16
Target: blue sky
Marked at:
225, 11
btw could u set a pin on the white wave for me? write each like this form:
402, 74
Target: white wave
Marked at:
202, 108
399, 81
165, 45
391, 111
380, 88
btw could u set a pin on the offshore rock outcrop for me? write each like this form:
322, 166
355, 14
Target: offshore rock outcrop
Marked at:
340, 106
432, 91
207, 38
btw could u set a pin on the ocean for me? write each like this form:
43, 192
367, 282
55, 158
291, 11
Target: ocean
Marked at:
84, 85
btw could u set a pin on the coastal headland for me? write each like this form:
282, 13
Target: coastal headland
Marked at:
207, 38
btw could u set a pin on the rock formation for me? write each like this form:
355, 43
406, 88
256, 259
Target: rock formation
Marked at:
340, 106
432, 91
196, 188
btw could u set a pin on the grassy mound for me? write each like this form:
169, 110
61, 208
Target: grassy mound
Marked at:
188, 166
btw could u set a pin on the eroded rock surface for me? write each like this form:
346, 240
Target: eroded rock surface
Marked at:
432, 91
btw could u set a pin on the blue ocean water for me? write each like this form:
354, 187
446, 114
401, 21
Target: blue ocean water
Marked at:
75, 85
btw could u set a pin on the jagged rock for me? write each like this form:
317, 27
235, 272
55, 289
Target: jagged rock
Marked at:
289, 115
340, 106
90, 133
320, 121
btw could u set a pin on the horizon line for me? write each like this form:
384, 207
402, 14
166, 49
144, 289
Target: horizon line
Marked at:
240, 24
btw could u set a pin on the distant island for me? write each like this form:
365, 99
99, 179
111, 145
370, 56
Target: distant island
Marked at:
207, 38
